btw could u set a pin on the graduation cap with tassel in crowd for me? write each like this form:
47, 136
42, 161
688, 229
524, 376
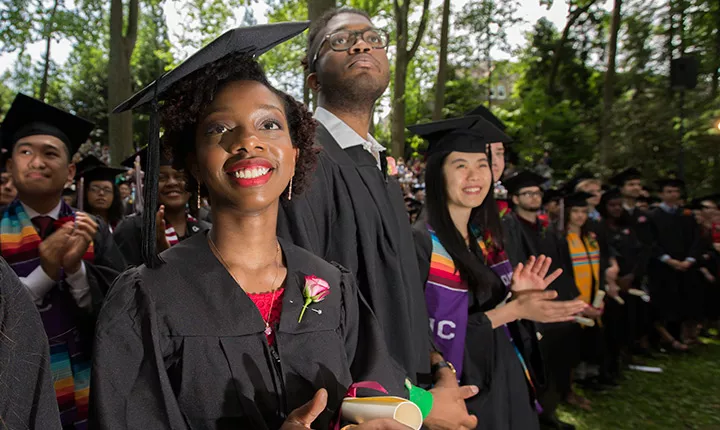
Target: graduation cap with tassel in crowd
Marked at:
251, 41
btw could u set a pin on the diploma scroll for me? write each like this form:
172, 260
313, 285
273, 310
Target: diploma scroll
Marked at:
639, 293
584, 321
362, 409
599, 297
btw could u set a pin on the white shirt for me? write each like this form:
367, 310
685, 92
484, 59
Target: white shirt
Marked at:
39, 283
346, 137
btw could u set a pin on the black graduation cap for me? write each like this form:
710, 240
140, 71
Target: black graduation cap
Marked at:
577, 199
130, 161
581, 176
489, 116
669, 182
29, 117
250, 41
94, 169
628, 174
552, 196
715, 198
464, 134
523, 179
68, 191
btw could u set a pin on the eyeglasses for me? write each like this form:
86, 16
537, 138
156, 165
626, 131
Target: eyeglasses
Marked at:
345, 39
97, 189
531, 194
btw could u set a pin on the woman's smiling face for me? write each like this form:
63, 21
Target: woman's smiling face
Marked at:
245, 155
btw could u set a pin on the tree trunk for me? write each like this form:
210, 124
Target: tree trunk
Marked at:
49, 29
316, 8
120, 126
402, 59
609, 85
716, 69
442, 64
573, 16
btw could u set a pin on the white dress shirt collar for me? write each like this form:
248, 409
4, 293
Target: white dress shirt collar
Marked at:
32, 213
345, 136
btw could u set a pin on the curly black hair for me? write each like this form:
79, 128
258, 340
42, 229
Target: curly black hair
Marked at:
186, 100
317, 29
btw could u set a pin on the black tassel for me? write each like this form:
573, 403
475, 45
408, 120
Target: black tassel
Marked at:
150, 193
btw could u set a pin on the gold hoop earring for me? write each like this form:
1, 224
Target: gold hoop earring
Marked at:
198, 196
290, 189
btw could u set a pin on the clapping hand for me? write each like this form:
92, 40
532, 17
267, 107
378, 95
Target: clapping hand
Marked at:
531, 276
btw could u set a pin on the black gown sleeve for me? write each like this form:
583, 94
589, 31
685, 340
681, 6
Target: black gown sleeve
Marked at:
365, 346
128, 238
130, 388
27, 396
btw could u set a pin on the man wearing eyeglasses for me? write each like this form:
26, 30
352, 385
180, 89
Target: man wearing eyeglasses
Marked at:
526, 235
354, 213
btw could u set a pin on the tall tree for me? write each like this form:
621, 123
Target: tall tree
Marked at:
315, 10
49, 29
487, 22
442, 64
403, 56
123, 36
609, 86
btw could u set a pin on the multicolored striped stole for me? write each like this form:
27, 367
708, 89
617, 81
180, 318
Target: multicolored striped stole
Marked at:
69, 356
446, 295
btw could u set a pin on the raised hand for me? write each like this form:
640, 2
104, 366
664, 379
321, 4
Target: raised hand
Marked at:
531, 276
160, 227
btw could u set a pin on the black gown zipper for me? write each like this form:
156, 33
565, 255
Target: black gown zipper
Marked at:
282, 397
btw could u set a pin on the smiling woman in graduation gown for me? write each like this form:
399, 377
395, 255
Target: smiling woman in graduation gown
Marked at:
209, 334
481, 311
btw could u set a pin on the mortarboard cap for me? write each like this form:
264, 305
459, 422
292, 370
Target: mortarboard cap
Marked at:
628, 174
31, 117
94, 169
252, 41
488, 116
669, 182
68, 191
522, 180
715, 198
552, 196
577, 199
249, 41
464, 134
130, 161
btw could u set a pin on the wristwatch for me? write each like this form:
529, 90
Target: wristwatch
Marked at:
442, 365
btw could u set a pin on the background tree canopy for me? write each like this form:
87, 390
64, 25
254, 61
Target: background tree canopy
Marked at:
595, 94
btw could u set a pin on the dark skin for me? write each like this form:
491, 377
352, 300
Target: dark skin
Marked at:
361, 64
246, 122
357, 73
40, 167
615, 210
173, 197
671, 196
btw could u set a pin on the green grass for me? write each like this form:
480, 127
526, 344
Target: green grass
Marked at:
685, 396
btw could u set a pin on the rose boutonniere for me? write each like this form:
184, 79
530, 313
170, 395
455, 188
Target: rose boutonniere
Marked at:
315, 290
592, 239
392, 169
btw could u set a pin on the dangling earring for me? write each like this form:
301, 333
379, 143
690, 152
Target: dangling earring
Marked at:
290, 189
198, 196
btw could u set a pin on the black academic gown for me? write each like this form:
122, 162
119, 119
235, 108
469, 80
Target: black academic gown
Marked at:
558, 340
183, 347
354, 214
128, 236
675, 295
490, 361
27, 397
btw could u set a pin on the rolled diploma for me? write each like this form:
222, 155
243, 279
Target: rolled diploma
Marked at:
362, 409
584, 321
599, 297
